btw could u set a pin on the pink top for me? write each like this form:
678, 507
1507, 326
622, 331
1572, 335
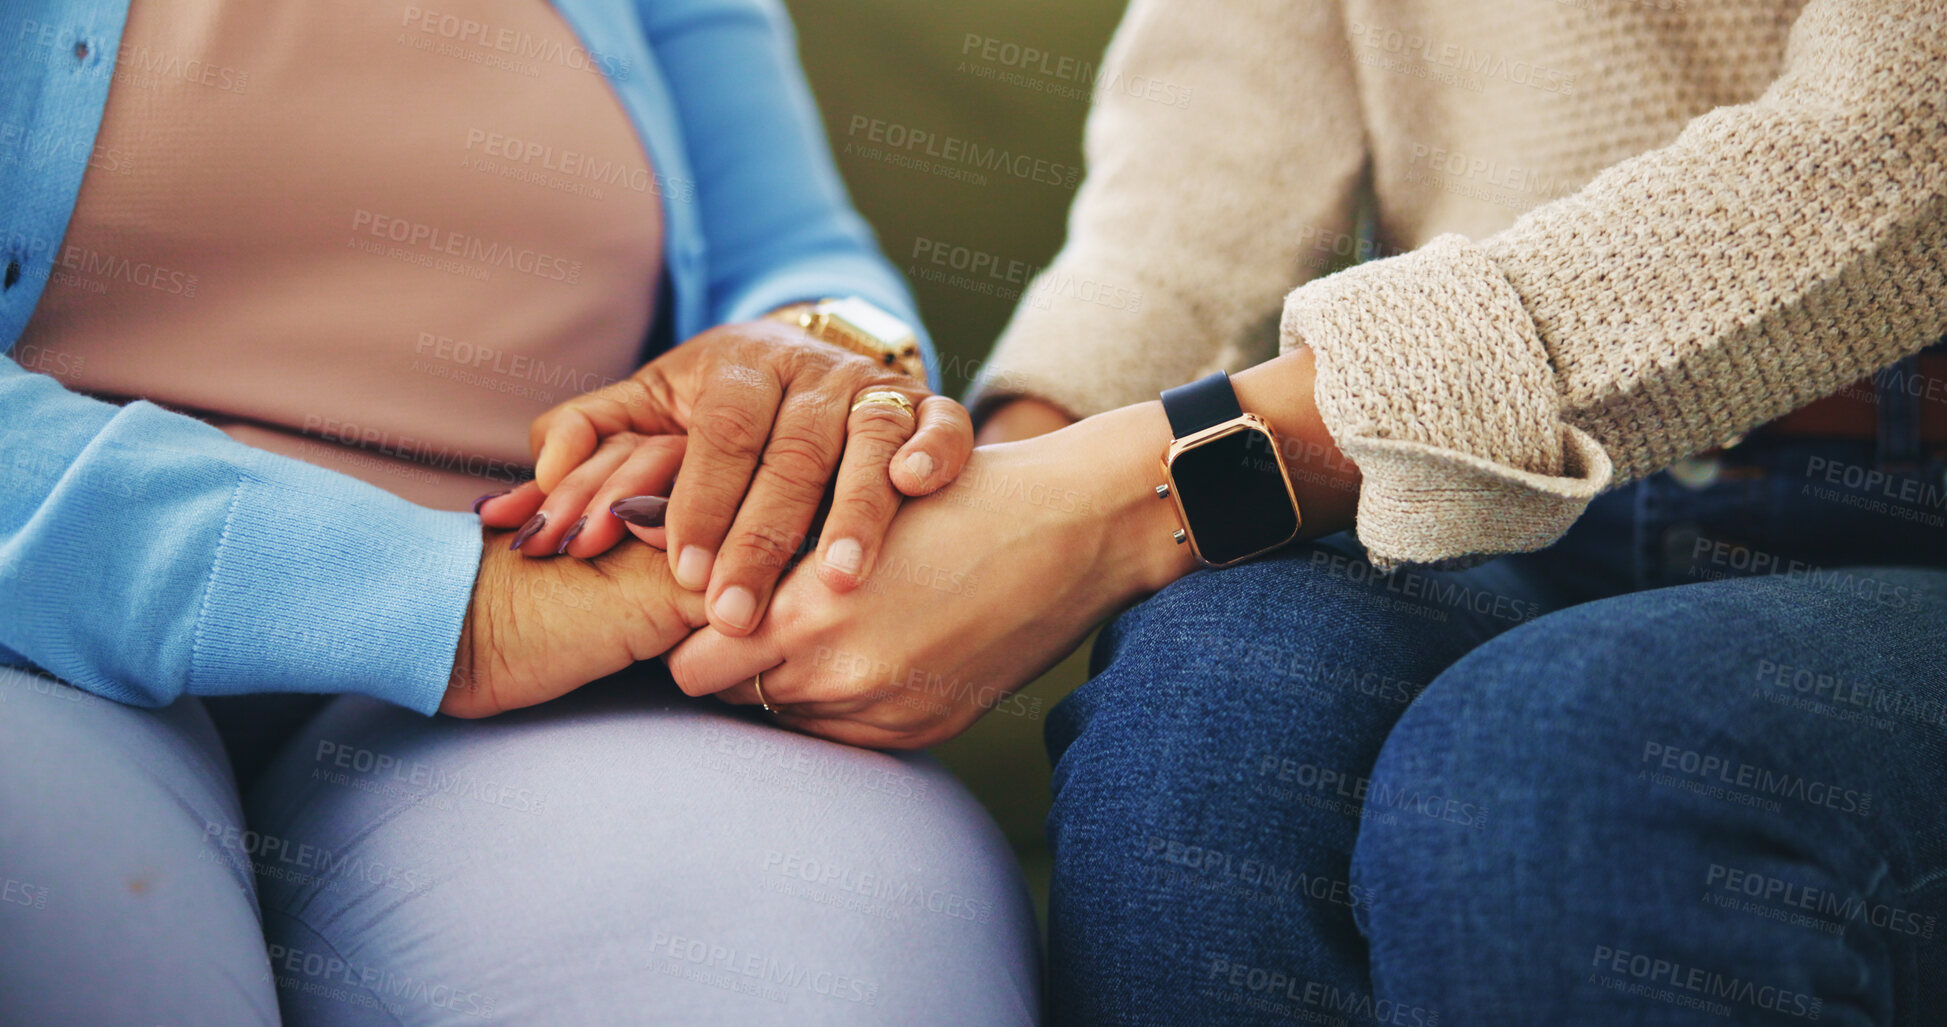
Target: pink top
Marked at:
358, 234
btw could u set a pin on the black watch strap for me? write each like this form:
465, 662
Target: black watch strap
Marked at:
1207, 401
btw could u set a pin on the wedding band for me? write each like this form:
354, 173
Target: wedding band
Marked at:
757, 682
886, 397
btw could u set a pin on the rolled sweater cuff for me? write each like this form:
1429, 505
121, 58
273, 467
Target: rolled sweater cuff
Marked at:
1433, 380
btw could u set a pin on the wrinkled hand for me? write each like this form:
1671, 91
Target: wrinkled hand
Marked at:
768, 414
539, 629
980, 588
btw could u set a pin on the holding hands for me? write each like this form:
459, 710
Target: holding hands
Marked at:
900, 631
743, 428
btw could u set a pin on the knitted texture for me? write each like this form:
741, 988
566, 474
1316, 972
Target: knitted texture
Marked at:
1691, 219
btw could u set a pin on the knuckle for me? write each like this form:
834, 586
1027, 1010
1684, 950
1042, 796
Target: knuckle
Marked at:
731, 429
871, 505
764, 546
798, 465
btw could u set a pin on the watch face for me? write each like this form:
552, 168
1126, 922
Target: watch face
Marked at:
1234, 496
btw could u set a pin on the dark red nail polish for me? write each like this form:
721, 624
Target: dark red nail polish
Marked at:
570, 536
534, 524
641, 511
491, 495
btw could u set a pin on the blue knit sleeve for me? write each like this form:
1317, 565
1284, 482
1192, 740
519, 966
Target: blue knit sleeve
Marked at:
145, 555
779, 225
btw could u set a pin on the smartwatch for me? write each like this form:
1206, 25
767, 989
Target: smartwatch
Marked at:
1226, 475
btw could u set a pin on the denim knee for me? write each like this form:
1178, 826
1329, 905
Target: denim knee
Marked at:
1206, 782
1585, 789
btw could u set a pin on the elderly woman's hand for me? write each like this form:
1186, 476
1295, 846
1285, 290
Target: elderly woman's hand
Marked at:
539, 629
772, 418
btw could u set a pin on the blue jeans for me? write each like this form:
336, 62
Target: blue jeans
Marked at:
622, 855
1684, 767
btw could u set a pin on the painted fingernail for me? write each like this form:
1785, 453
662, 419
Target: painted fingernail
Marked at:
736, 606
693, 568
920, 464
846, 555
570, 536
478, 503
534, 524
641, 511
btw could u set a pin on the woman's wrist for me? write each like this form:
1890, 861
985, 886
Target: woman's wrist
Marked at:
1119, 454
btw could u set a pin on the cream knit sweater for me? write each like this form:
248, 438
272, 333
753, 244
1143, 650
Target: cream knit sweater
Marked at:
1636, 228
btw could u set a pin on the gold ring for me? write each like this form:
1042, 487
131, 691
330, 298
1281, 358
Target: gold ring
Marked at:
757, 682
886, 397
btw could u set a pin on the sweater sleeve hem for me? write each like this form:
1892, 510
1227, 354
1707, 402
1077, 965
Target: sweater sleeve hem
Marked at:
1433, 380
314, 591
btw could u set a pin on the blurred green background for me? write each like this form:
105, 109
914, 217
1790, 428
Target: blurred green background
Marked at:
1011, 74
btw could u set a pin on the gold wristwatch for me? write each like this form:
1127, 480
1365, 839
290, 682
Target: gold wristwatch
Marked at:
856, 325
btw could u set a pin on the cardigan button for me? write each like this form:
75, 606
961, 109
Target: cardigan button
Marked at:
1696, 472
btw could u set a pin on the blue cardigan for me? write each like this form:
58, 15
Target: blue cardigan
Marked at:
145, 555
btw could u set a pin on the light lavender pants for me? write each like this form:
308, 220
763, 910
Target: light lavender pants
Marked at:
623, 855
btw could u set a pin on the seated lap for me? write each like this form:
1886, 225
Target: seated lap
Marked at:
627, 852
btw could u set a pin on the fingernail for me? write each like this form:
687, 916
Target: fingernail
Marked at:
736, 606
491, 495
641, 511
534, 524
921, 464
846, 555
693, 568
570, 536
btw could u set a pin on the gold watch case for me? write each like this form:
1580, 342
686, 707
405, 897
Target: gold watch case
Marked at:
857, 325
1245, 423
